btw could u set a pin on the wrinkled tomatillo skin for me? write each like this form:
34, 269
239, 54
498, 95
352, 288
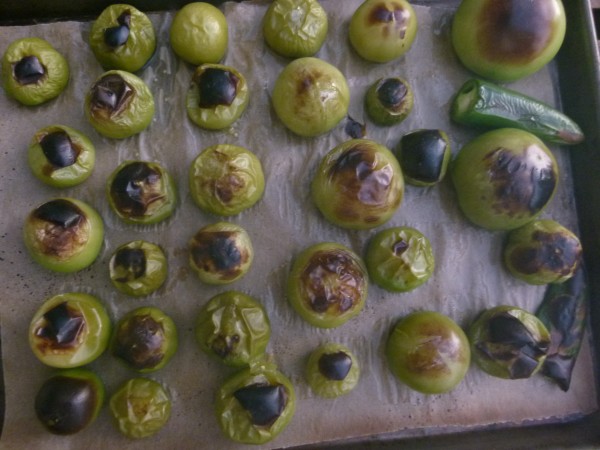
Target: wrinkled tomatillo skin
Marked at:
310, 96
33, 71
504, 178
234, 328
505, 40
358, 185
327, 285
141, 192
389, 101
119, 105
221, 253
383, 30
217, 97
69, 401
332, 370
226, 179
542, 251
138, 268
123, 38
61, 156
64, 235
509, 342
428, 352
69, 330
145, 339
254, 405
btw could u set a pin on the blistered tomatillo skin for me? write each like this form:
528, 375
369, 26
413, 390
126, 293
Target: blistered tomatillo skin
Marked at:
327, 285
119, 105
504, 178
33, 71
123, 38
255, 404
505, 40
428, 352
69, 401
217, 97
69, 330
542, 251
226, 179
145, 339
141, 192
509, 342
358, 185
389, 101
221, 253
138, 268
60, 156
424, 156
310, 96
140, 407
234, 328
383, 30
63, 235
400, 259
332, 370
199, 33
295, 28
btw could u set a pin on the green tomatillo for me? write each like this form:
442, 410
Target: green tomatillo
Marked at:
332, 370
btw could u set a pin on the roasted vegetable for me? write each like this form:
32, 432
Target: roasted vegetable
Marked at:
332, 370
504, 178
69, 401
234, 328
424, 156
564, 311
358, 184
505, 40
389, 101
295, 28
383, 30
327, 284
483, 104
428, 352
256, 404
310, 96
509, 342
140, 407
33, 72
69, 330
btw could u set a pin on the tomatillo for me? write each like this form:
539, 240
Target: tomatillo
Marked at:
332, 370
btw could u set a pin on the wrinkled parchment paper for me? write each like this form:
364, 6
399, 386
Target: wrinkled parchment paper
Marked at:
468, 275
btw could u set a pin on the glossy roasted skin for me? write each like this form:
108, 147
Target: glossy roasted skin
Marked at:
221, 253
234, 328
504, 178
145, 339
69, 401
332, 370
255, 404
64, 235
429, 352
310, 96
123, 38
424, 156
542, 251
141, 192
509, 342
69, 330
358, 185
226, 179
119, 104
327, 285
34, 72
389, 101
383, 30
295, 28
505, 40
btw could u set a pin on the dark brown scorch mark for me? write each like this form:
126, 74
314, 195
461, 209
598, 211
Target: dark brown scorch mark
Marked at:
394, 18
218, 252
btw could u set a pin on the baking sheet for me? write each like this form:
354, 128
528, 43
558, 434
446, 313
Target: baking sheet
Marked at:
467, 279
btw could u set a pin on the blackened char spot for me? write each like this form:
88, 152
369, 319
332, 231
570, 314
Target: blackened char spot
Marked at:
216, 87
135, 187
59, 149
335, 366
140, 341
132, 261
264, 402
111, 93
218, 252
62, 328
29, 70
391, 93
422, 155
60, 212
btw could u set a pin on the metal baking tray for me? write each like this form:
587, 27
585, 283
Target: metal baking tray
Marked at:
579, 81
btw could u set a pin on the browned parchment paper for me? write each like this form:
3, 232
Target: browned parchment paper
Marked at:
467, 279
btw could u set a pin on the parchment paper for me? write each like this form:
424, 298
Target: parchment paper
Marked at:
468, 275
